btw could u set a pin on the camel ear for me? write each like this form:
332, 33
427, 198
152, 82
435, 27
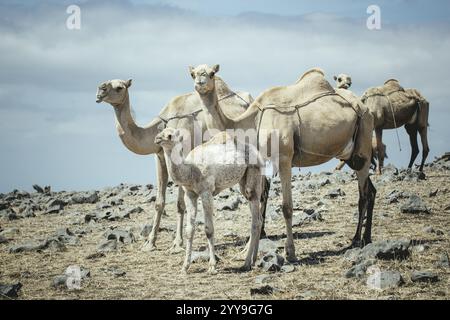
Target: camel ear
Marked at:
128, 83
216, 68
191, 71
335, 78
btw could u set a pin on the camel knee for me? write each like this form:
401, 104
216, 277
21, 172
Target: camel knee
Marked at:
159, 205
287, 211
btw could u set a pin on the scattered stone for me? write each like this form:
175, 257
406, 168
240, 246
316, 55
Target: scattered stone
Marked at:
271, 262
288, 268
382, 280
333, 194
122, 236
86, 197
428, 229
95, 255
415, 205
230, 204
28, 246
145, 231
116, 271
383, 250
359, 270
263, 278
433, 193
200, 256
267, 246
443, 261
264, 290
424, 276
38, 188
9, 233
66, 236
10, 290
3, 240
107, 245
55, 245
72, 278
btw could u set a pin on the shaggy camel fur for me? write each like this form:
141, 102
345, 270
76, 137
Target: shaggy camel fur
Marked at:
393, 107
304, 116
207, 170
343, 81
375, 155
181, 112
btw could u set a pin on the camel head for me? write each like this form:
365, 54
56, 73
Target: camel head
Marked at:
343, 81
203, 76
113, 91
169, 137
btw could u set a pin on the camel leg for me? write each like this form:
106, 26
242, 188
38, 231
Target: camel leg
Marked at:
162, 179
208, 210
411, 129
285, 177
372, 192
190, 200
363, 186
263, 204
177, 245
379, 137
425, 147
340, 165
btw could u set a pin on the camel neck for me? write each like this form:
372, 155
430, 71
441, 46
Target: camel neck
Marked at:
180, 171
137, 139
215, 118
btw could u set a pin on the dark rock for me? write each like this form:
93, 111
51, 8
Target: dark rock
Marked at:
443, 261
9, 214
332, 194
145, 231
415, 205
122, 236
107, 245
264, 290
95, 255
86, 197
382, 280
28, 246
38, 188
135, 210
383, 250
229, 204
119, 215
359, 270
4, 205
271, 262
433, 193
66, 236
53, 244
424, 276
10, 290
55, 206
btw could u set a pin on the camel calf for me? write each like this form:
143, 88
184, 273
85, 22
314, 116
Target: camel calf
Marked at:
208, 169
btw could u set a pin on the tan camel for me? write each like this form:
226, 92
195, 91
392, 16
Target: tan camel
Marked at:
375, 155
393, 107
343, 81
181, 112
210, 94
313, 124
208, 169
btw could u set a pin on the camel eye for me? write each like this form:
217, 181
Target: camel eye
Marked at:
119, 89
340, 79
169, 137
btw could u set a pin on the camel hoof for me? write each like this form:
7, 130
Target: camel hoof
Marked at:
148, 246
421, 176
245, 268
212, 270
176, 248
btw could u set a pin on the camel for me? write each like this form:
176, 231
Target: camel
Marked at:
343, 81
375, 155
209, 94
181, 112
392, 106
207, 170
312, 124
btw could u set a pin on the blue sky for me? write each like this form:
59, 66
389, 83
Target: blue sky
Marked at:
53, 132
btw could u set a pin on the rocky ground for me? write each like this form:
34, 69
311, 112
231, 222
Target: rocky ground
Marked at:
45, 236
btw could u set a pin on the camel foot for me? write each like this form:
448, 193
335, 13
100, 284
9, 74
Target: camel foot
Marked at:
212, 270
422, 176
245, 268
175, 248
148, 246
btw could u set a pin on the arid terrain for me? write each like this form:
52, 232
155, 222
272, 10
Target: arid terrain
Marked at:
44, 232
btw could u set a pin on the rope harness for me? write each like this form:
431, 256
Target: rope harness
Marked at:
304, 104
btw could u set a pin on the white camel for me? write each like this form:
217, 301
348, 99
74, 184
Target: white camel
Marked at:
207, 170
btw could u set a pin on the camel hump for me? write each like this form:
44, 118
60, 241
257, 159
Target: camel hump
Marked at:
391, 80
311, 72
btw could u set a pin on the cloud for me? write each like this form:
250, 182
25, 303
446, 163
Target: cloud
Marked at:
50, 74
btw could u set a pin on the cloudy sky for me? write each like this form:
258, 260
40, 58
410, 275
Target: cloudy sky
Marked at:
53, 132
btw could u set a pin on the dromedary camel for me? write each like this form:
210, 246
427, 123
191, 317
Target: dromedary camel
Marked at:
180, 112
313, 123
375, 155
209, 93
392, 107
208, 169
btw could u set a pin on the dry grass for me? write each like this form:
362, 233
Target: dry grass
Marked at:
156, 275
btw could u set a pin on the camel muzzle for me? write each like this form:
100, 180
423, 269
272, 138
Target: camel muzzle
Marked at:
99, 99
